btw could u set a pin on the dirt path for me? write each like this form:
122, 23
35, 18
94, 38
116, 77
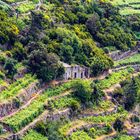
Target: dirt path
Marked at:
31, 100
61, 95
134, 131
43, 116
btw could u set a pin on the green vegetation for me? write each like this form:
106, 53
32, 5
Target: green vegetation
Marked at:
127, 7
28, 114
33, 135
114, 78
130, 91
8, 28
107, 119
26, 7
80, 135
67, 101
14, 89
102, 106
121, 2
123, 137
36, 36
91, 133
135, 59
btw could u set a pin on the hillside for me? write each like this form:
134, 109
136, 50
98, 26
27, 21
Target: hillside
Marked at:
126, 7
69, 69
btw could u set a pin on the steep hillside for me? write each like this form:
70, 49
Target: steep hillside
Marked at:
45, 46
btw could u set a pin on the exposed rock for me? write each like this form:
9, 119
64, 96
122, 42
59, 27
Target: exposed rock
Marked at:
110, 111
45, 116
117, 55
136, 67
13, 104
134, 131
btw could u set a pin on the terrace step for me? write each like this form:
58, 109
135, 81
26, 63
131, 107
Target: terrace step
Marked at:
10, 106
57, 115
136, 67
109, 136
103, 113
36, 94
51, 115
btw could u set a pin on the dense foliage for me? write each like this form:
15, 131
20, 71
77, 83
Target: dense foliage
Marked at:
129, 94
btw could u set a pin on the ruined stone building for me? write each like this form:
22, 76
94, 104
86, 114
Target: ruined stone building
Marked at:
75, 71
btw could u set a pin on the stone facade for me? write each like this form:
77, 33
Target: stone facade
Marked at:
75, 71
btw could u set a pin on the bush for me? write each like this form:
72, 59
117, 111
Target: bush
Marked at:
74, 105
10, 67
2, 75
83, 91
1, 129
118, 125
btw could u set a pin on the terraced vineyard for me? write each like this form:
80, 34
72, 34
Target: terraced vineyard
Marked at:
135, 59
60, 98
59, 79
14, 88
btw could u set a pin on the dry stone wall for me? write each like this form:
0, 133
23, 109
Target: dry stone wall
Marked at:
136, 67
121, 55
108, 112
13, 104
44, 117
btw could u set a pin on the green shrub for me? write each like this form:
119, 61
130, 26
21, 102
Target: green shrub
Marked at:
82, 90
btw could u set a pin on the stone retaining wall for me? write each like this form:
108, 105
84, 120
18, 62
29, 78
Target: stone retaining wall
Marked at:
87, 126
44, 117
136, 67
112, 111
13, 104
121, 55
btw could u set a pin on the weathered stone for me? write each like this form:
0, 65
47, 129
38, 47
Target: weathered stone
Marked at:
117, 55
24, 96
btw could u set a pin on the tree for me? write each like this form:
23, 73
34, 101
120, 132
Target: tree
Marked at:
82, 90
130, 92
10, 67
93, 24
45, 65
100, 63
97, 94
8, 29
118, 125
18, 51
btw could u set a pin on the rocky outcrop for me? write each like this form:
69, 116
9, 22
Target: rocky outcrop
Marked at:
13, 104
